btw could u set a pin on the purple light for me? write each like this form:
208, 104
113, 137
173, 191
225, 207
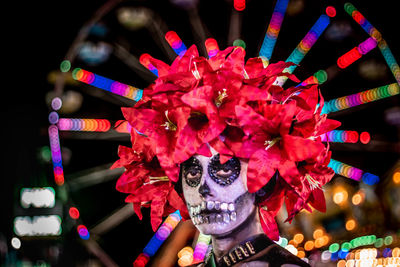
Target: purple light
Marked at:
53, 117
367, 46
56, 103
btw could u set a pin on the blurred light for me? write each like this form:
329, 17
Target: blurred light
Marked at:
326, 256
85, 125
372, 69
361, 98
239, 42
201, 247
392, 116
38, 197
185, 256
73, 213
291, 249
370, 179
141, 260
94, 54
282, 241
376, 35
176, 43
365, 137
162, 233
330, 11
107, 84
144, 59
358, 198
273, 29
212, 47
396, 177
45, 154
239, 5
352, 172
318, 233
338, 31
186, 4
388, 240
133, 18
301, 254
341, 263
309, 245
122, 126
340, 136
396, 252
319, 242
387, 252
379, 242
56, 155
65, 65
49, 225
56, 103
83, 232
334, 247
53, 117
340, 197
308, 41
298, 238
351, 225
16, 243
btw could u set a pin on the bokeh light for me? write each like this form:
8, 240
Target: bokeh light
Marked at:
396, 177
351, 225
73, 213
330, 11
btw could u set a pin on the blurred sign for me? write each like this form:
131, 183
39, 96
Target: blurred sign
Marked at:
49, 225
38, 197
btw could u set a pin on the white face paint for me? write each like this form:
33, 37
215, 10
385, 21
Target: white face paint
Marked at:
216, 195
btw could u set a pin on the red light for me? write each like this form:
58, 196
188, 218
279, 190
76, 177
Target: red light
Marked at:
348, 58
365, 137
144, 59
330, 11
141, 260
239, 5
74, 213
212, 47
173, 39
358, 17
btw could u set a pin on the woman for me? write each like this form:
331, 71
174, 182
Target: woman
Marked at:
240, 145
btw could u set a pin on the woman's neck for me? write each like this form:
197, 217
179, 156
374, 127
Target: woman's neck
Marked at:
250, 227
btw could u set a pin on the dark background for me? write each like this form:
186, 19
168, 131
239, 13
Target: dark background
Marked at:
38, 34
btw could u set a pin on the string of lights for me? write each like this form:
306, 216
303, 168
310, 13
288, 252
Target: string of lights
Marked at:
273, 29
144, 59
353, 172
360, 98
107, 84
175, 42
211, 47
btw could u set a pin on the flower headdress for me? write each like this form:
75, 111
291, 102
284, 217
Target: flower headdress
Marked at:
234, 107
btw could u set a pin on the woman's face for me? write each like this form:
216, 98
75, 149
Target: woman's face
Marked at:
216, 194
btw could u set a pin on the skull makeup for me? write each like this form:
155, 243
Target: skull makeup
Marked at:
216, 194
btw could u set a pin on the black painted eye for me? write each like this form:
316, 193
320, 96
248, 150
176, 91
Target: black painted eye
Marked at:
192, 172
224, 174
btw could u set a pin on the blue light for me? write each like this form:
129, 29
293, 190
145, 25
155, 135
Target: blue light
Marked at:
370, 179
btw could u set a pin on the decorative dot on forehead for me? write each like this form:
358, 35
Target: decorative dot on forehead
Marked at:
224, 174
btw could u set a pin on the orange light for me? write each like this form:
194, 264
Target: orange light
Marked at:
298, 238
318, 233
319, 242
396, 177
185, 251
301, 254
341, 263
358, 198
340, 197
309, 245
350, 225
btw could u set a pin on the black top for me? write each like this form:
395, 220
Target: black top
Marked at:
257, 248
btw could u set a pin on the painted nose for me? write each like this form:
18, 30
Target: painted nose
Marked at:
204, 190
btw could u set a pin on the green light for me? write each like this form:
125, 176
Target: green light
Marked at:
334, 247
239, 42
321, 76
45, 153
65, 66
346, 246
388, 240
379, 242
284, 242
349, 8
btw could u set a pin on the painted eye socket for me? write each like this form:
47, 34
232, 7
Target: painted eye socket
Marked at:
224, 174
192, 172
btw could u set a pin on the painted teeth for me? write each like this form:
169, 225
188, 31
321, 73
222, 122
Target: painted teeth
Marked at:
226, 212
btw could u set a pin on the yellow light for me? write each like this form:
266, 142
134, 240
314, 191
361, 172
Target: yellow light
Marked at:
309, 245
185, 260
325, 240
396, 252
358, 198
185, 251
298, 238
340, 197
318, 233
350, 225
396, 177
